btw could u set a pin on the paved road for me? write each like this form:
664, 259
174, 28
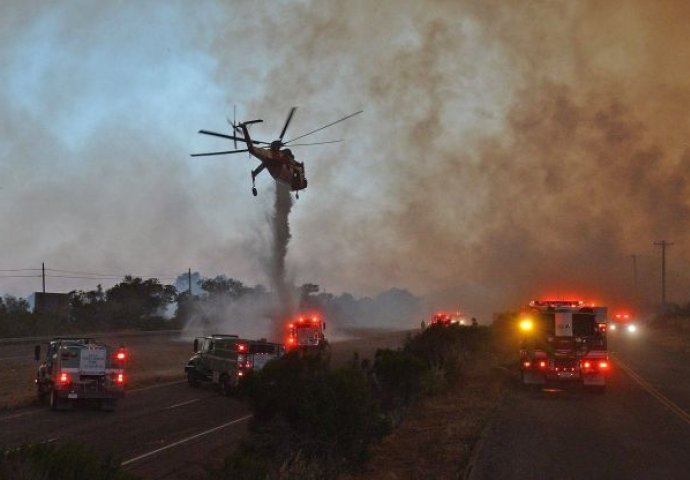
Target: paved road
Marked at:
174, 417
169, 431
638, 429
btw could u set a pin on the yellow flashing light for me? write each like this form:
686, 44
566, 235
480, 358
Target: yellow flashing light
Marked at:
526, 325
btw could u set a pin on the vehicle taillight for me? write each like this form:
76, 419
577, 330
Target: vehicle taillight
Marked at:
542, 364
64, 378
241, 347
121, 355
240, 373
527, 364
120, 378
603, 364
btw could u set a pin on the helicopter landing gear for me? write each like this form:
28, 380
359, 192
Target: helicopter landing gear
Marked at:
255, 172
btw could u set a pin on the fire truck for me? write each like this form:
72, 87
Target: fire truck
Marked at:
625, 322
306, 333
447, 319
563, 340
80, 369
224, 359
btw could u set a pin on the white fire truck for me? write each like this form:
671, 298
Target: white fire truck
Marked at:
80, 369
563, 340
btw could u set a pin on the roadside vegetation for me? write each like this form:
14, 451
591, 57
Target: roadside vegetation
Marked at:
312, 421
67, 461
673, 317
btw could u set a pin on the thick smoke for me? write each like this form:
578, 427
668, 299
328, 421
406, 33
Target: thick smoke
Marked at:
507, 149
521, 149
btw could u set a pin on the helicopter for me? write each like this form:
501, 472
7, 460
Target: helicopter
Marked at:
279, 161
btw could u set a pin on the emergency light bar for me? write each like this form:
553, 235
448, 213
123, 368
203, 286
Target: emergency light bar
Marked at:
556, 303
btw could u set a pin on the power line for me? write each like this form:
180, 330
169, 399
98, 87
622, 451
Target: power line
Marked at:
20, 270
113, 277
20, 276
113, 274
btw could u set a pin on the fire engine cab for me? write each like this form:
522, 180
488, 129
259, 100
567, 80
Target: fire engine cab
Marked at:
563, 340
306, 333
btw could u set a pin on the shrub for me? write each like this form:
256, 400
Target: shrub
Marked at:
309, 421
69, 460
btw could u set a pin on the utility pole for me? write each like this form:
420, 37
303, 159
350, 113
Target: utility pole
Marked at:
663, 244
43, 275
189, 281
634, 267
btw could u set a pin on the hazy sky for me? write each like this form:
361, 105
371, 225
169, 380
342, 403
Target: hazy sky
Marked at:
507, 149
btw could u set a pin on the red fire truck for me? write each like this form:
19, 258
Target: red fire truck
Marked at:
306, 333
563, 340
624, 321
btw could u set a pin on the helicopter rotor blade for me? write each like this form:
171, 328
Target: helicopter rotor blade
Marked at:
231, 137
221, 135
325, 126
217, 153
287, 123
315, 143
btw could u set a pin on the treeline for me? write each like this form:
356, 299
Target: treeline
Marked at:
312, 421
147, 304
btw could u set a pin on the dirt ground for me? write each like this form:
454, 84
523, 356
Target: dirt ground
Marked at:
151, 360
437, 436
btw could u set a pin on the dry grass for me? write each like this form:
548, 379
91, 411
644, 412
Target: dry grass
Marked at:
150, 361
436, 439
673, 340
17, 380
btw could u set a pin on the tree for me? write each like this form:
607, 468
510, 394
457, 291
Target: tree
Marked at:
222, 286
134, 299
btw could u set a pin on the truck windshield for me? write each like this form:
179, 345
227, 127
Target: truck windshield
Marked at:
584, 325
69, 357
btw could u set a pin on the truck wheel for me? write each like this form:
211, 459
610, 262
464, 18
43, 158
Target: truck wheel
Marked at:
55, 402
41, 394
192, 380
226, 385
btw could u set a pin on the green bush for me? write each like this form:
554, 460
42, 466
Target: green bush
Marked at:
445, 349
67, 461
399, 376
309, 421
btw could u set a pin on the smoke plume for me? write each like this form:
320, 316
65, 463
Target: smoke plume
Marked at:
507, 149
280, 238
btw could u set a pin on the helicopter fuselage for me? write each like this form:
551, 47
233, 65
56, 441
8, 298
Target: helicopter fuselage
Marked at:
282, 166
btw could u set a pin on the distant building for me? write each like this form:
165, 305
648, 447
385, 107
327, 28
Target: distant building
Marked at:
52, 304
